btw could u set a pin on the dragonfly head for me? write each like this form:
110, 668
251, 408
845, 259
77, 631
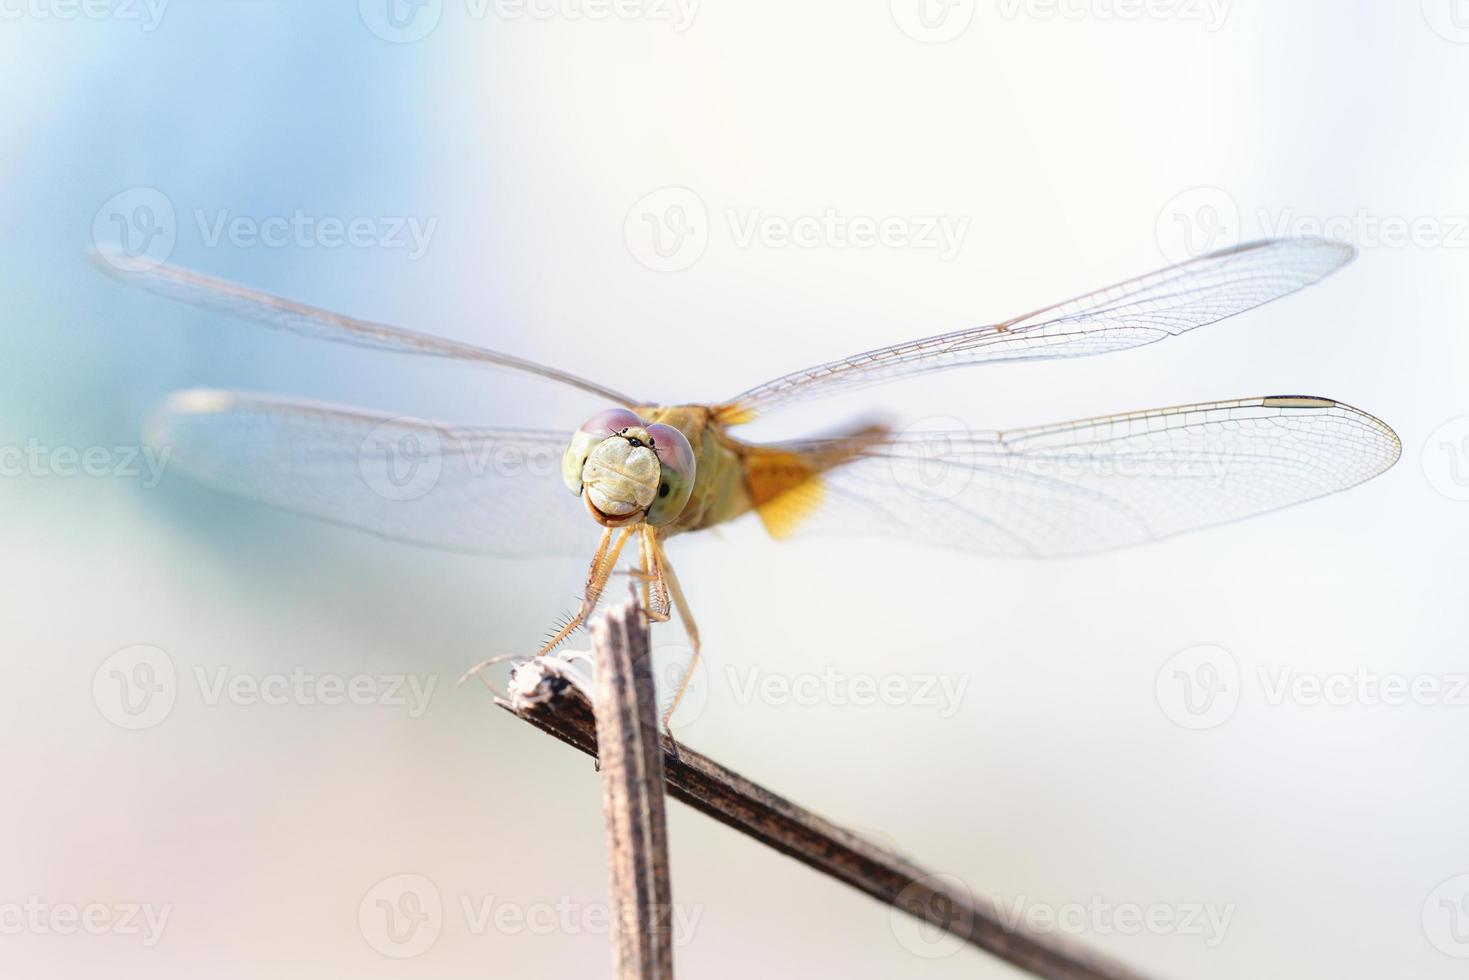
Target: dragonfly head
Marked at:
628, 471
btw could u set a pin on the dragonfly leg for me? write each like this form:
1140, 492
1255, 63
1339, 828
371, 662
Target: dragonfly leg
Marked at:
655, 584
692, 629
602, 564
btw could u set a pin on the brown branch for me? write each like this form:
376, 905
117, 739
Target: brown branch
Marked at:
626, 709
547, 696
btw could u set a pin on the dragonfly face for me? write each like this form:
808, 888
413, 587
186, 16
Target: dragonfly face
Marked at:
627, 471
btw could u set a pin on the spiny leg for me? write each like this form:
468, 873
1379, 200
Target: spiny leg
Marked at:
655, 584
602, 564
690, 627
603, 561
643, 564
648, 574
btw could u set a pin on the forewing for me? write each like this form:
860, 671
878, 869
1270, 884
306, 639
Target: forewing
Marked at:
1130, 314
232, 299
1104, 483
487, 490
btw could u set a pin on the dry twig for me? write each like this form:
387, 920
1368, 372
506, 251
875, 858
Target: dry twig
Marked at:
546, 696
626, 709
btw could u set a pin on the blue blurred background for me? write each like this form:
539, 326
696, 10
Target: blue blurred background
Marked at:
1076, 145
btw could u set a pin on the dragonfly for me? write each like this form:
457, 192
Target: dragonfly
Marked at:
644, 472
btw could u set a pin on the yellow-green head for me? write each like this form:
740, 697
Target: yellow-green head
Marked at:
627, 471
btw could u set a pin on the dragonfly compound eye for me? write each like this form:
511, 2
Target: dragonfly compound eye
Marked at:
677, 468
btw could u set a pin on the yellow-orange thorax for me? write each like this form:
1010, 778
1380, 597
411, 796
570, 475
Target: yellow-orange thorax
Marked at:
783, 486
719, 483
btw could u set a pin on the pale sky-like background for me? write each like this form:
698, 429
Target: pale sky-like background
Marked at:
1075, 144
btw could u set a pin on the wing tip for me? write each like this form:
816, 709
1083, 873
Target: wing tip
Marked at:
1345, 251
158, 424
1393, 440
116, 263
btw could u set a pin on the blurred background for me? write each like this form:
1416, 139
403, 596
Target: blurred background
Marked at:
193, 793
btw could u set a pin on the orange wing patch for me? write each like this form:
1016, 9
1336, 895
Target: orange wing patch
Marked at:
785, 485
733, 413
785, 488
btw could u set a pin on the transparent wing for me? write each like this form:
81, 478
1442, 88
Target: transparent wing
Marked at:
487, 490
1133, 313
231, 299
1081, 487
